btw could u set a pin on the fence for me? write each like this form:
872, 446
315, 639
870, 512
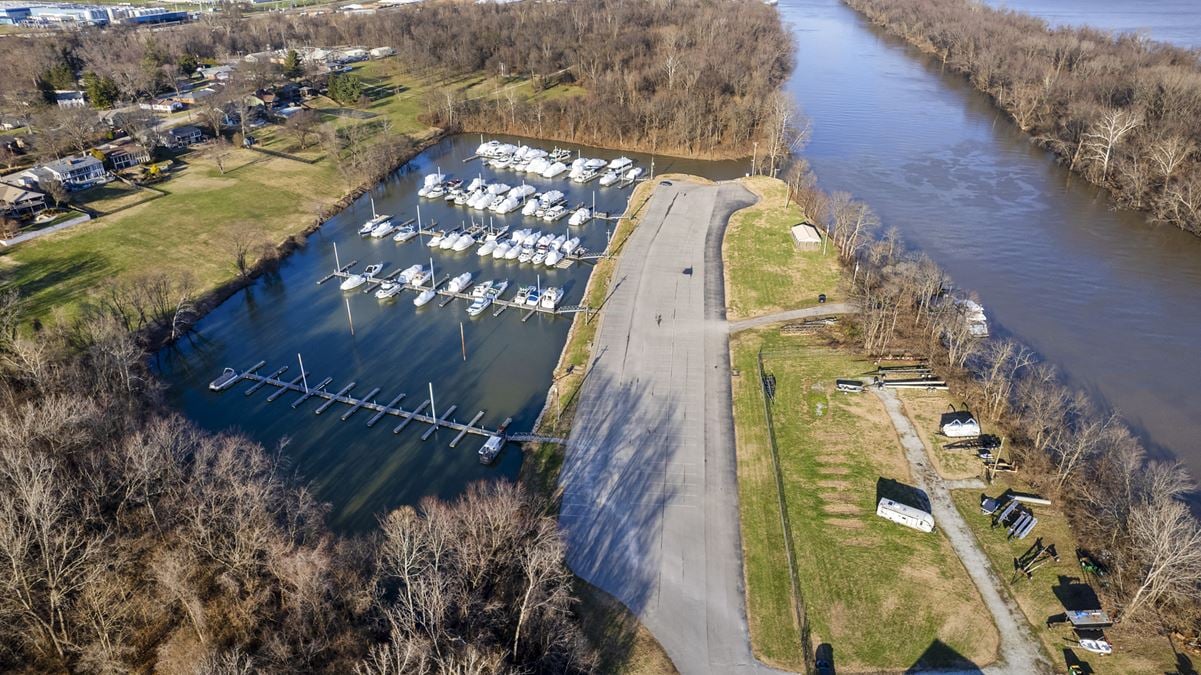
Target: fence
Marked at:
798, 598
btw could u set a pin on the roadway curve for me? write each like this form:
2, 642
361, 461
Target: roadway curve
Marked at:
650, 491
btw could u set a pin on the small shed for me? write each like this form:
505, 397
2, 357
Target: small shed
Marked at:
805, 236
959, 424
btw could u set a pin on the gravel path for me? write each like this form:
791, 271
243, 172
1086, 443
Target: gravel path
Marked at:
1019, 651
792, 314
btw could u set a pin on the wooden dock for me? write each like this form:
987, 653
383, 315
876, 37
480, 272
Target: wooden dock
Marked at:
354, 404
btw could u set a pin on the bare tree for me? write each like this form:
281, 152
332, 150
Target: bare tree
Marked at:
1167, 542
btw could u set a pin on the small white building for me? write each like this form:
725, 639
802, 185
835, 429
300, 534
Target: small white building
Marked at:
382, 52
806, 237
905, 515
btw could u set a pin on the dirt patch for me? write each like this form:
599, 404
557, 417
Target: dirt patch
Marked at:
834, 470
846, 523
834, 484
842, 509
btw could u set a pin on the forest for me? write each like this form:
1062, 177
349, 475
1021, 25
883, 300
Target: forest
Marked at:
1121, 110
1129, 509
133, 541
689, 77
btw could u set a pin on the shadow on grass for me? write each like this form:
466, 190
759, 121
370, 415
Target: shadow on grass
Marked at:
940, 655
48, 283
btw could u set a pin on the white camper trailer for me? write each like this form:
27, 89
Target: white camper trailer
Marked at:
905, 515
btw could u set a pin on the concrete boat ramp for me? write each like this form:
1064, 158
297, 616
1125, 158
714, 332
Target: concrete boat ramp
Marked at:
650, 493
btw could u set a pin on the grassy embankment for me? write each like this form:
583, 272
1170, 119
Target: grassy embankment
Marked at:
883, 596
187, 231
765, 272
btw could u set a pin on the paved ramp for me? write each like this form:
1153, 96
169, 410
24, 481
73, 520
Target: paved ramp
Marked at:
650, 504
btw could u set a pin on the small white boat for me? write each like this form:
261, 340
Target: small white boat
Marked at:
552, 258
538, 258
555, 213
491, 449
545, 239
487, 248
436, 240
621, 164
531, 238
464, 242
383, 229
459, 283
531, 300
501, 249
496, 235
522, 294
577, 168
554, 170
551, 297
476, 183
1101, 647
377, 219
522, 191
388, 289
355, 280
531, 205
404, 233
228, 377
482, 288
435, 191
538, 165
449, 241
581, 216
570, 245
559, 154
586, 175
424, 297
633, 174
610, 177
595, 164
488, 148
420, 277
526, 255
513, 253
407, 275
478, 305
552, 198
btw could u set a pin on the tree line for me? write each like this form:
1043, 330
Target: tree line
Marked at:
1127, 509
1120, 110
688, 77
131, 540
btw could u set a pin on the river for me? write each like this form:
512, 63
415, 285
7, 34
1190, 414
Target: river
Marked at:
1174, 21
363, 472
1109, 298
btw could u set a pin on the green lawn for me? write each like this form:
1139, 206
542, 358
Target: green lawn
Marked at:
885, 597
183, 233
765, 272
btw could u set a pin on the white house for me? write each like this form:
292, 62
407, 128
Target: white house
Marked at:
75, 173
905, 515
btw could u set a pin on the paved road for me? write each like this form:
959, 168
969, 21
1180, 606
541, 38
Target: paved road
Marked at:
794, 314
650, 503
1020, 654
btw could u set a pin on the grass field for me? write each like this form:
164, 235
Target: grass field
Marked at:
182, 233
1135, 650
925, 408
883, 596
765, 272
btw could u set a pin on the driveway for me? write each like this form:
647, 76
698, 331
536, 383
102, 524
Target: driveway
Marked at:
1020, 653
650, 494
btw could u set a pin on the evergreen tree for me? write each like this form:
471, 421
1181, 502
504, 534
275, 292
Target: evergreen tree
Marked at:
346, 88
293, 68
101, 91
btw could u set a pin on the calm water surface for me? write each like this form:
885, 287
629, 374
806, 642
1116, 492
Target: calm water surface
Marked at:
1174, 21
362, 472
1114, 301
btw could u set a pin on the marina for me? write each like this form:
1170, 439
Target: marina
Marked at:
477, 363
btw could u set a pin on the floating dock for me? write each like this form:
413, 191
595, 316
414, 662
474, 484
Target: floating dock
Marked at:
444, 420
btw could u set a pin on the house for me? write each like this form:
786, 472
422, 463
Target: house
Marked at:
161, 105
69, 99
76, 173
218, 73
124, 154
381, 52
184, 136
197, 96
19, 202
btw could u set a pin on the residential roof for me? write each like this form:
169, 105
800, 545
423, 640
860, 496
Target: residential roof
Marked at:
184, 130
12, 194
68, 163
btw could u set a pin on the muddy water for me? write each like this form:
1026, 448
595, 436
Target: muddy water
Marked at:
1114, 301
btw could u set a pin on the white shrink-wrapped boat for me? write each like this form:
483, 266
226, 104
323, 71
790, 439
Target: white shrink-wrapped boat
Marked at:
610, 177
581, 216
621, 163
554, 170
577, 168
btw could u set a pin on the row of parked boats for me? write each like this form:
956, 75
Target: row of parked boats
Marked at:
501, 198
553, 163
483, 294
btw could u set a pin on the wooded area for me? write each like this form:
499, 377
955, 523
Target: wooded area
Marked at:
687, 77
1128, 508
131, 540
1121, 110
